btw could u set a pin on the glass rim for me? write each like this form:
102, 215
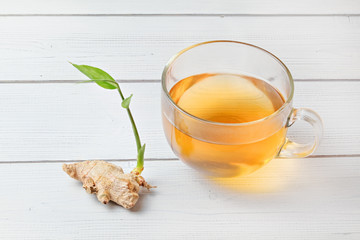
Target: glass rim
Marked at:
177, 55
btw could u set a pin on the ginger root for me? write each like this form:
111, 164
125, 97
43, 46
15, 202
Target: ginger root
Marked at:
107, 181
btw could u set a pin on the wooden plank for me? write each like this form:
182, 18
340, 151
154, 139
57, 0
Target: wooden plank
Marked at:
181, 7
288, 199
82, 121
38, 48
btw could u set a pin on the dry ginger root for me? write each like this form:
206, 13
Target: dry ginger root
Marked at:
107, 181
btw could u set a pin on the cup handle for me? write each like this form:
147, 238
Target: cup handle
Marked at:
292, 149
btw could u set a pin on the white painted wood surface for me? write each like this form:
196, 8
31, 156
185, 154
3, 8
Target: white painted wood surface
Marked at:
181, 7
68, 121
38, 48
45, 119
307, 199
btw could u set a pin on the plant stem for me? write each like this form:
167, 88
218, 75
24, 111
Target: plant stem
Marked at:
140, 162
104, 80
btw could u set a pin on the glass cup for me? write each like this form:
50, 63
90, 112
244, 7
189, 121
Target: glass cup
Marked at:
233, 149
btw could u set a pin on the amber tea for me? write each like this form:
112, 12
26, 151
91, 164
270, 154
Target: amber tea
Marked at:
224, 98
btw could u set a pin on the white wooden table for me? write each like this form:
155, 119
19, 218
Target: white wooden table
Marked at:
46, 119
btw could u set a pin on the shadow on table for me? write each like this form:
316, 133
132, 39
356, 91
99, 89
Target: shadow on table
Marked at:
144, 194
274, 177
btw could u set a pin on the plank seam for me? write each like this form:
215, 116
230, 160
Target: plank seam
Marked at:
151, 81
184, 15
160, 159
74, 81
110, 160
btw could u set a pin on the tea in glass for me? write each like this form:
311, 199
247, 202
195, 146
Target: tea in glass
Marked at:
225, 98
226, 108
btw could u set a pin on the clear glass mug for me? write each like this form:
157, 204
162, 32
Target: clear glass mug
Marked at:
233, 149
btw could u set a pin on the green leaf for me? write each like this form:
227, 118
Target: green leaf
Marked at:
126, 102
140, 162
102, 78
